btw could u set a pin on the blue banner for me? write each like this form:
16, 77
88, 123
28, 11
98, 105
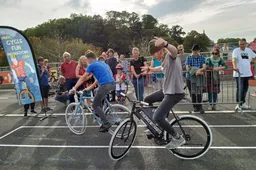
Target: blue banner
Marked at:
22, 63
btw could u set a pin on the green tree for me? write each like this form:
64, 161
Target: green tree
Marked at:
228, 40
194, 37
177, 33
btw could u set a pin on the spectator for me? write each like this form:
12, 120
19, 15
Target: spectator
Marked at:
26, 107
124, 63
101, 59
44, 84
47, 65
157, 78
62, 93
80, 70
180, 50
120, 78
252, 45
195, 65
214, 64
116, 56
68, 70
138, 80
241, 59
112, 62
216, 46
225, 51
104, 55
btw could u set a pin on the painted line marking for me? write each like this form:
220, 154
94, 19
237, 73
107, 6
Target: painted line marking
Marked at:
95, 126
10, 132
136, 147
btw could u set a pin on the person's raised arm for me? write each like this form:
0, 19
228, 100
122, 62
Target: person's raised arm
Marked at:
172, 49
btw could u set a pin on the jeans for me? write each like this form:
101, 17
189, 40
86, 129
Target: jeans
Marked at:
241, 89
139, 87
70, 83
168, 102
101, 93
212, 98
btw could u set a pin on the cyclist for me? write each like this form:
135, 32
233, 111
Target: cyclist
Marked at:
173, 86
106, 82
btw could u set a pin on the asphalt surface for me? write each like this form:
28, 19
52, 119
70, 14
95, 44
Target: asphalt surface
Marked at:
28, 143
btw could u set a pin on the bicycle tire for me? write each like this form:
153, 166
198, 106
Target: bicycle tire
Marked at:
29, 94
117, 118
82, 117
124, 138
203, 124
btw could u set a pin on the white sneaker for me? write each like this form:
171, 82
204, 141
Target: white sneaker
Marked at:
237, 107
175, 143
245, 106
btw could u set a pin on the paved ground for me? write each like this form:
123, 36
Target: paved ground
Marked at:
28, 143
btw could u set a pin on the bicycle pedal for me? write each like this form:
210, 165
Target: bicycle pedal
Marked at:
150, 136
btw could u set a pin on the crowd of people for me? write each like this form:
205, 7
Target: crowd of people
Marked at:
202, 75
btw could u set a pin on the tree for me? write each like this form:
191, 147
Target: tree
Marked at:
177, 33
194, 37
228, 40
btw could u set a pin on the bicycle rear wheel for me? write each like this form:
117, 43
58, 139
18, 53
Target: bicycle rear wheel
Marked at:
75, 118
120, 146
116, 113
197, 134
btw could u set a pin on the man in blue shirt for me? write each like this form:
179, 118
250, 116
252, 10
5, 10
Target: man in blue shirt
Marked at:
195, 61
103, 74
44, 85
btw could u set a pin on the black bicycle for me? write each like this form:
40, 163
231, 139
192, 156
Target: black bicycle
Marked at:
195, 131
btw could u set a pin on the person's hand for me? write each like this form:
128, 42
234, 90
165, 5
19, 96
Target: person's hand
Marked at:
72, 91
86, 89
215, 69
144, 73
137, 76
144, 68
236, 69
160, 42
43, 69
199, 73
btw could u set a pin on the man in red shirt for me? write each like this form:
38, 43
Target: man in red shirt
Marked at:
68, 70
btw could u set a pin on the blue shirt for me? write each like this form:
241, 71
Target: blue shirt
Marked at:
194, 62
156, 64
101, 72
44, 79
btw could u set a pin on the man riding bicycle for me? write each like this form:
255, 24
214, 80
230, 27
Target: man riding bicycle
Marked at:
172, 91
106, 82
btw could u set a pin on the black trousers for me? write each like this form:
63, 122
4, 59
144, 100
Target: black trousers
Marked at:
26, 107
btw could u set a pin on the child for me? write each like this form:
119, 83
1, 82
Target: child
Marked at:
120, 86
62, 93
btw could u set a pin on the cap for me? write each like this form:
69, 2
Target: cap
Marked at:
195, 47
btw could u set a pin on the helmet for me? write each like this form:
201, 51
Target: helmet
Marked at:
119, 66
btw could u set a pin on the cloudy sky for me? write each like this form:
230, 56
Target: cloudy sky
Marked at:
219, 18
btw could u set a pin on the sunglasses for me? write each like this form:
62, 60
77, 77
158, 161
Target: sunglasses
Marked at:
215, 53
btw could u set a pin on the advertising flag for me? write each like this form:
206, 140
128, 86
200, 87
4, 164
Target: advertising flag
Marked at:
22, 64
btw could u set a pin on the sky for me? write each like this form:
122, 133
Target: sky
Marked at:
219, 18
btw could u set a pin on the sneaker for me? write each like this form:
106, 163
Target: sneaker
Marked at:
32, 111
25, 114
201, 111
210, 107
237, 107
214, 107
196, 110
245, 106
104, 127
43, 111
174, 143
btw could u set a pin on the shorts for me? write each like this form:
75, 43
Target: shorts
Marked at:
118, 92
45, 91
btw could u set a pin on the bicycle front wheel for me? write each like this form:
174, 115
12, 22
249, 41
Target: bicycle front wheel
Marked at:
75, 118
197, 134
120, 146
116, 113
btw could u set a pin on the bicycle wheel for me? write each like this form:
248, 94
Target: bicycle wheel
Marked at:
75, 118
116, 113
197, 134
119, 146
26, 95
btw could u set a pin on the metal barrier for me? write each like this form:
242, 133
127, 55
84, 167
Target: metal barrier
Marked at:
212, 84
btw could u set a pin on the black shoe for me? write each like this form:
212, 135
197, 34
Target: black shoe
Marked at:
196, 110
25, 114
32, 111
104, 127
201, 111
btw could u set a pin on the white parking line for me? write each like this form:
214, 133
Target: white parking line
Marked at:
136, 147
10, 132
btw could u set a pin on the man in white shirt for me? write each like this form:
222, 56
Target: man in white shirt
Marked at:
241, 59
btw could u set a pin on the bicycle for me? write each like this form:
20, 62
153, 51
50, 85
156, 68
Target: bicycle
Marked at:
25, 94
77, 120
161, 137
